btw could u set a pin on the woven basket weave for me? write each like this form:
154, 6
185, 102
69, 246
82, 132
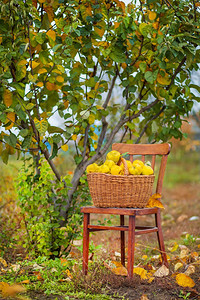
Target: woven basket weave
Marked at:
120, 190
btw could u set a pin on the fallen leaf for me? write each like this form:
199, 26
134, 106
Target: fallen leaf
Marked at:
120, 271
154, 202
141, 272
182, 218
3, 262
184, 280
11, 290
184, 253
174, 248
190, 270
178, 266
26, 281
144, 297
162, 271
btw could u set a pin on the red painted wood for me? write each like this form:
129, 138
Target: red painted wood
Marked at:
118, 211
160, 238
143, 149
86, 220
131, 246
122, 239
101, 227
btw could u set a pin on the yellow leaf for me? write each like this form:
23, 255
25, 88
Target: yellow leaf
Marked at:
22, 62
162, 271
178, 266
51, 86
120, 271
10, 118
42, 70
52, 35
152, 15
41, 1
174, 248
89, 10
2, 261
99, 31
140, 271
184, 280
41, 126
144, 297
74, 137
1, 39
7, 98
91, 119
116, 25
40, 84
94, 137
60, 79
35, 64
163, 80
11, 290
26, 281
154, 202
64, 147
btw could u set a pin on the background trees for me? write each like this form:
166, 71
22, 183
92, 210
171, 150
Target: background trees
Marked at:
66, 58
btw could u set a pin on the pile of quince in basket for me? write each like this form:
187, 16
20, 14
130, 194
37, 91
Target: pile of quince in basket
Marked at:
113, 167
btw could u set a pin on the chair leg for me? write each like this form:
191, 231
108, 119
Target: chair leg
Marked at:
122, 235
160, 238
131, 245
86, 221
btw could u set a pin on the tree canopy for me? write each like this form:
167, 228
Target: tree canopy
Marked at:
67, 57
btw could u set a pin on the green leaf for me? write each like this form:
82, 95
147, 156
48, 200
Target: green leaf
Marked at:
11, 139
143, 66
41, 126
149, 77
29, 106
26, 142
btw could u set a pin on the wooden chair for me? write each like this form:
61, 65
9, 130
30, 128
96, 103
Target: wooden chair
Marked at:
146, 149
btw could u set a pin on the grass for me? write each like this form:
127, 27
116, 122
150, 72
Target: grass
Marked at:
182, 167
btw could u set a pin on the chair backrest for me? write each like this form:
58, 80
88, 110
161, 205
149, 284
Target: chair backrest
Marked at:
151, 150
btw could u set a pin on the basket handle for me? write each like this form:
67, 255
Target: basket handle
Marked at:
123, 161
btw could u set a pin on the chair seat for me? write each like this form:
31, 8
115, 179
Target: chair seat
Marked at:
119, 210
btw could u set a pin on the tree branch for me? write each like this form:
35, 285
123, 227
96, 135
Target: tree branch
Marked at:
146, 125
176, 72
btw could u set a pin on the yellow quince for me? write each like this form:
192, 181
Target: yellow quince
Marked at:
109, 163
147, 170
138, 162
104, 169
129, 164
116, 170
92, 168
113, 155
132, 170
138, 169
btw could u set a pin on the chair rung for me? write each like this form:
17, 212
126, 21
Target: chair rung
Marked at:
146, 230
100, 227
140, 229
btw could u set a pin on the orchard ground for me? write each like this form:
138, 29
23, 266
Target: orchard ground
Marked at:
181, 223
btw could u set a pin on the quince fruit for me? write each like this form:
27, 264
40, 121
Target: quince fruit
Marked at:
132, 170
116, 170
129, 164
92, 168
138, 162
109, 163
113, 155
147, 170
104, 169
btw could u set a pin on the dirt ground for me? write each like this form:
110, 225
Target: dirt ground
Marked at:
181, 216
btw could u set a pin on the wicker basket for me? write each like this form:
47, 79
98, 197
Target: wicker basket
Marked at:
120, 190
